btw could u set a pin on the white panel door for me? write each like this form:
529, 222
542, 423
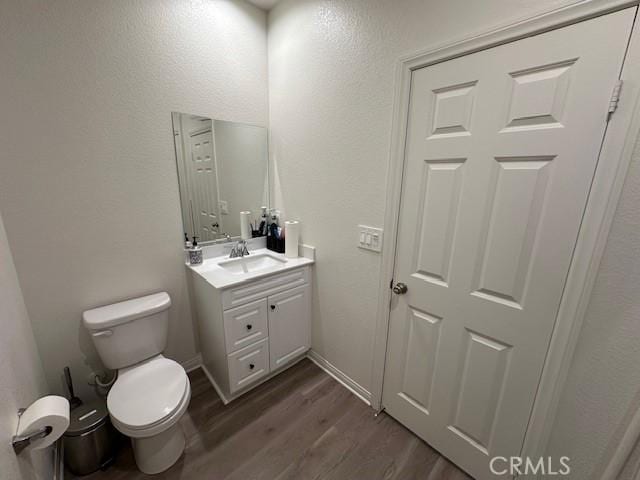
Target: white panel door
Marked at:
501, 150
289, 325
203, 185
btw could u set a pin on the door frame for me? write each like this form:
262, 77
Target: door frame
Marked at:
615, 156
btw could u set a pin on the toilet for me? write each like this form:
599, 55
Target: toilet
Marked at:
151, 392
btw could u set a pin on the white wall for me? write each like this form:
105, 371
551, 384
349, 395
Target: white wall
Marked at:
331, 79
89, 190
21, 375
88, 182
603, 389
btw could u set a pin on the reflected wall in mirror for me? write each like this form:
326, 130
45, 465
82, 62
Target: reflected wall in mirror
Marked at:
222, 171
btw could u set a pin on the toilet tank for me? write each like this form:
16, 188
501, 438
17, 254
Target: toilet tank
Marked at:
131, 331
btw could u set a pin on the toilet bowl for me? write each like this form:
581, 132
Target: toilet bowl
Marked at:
145, 403
151, 392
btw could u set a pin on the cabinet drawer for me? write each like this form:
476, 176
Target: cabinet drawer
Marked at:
248, 365
245, 325
257, 289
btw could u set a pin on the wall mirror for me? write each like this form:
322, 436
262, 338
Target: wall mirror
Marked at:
222, 171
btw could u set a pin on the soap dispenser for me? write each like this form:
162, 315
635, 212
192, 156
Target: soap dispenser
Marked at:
195, 253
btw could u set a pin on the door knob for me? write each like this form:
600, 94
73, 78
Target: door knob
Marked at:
400, 288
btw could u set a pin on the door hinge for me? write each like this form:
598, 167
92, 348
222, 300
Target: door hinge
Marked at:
391, 284
615, 97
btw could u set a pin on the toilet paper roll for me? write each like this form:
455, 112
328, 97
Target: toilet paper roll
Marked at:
50, 411
245, 230
291, 236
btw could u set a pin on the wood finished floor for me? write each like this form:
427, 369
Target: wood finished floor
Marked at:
300, 425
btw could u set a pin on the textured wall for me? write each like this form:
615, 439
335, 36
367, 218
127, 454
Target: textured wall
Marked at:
331, 68
331, 81
89, 191
21, 375
88, 182
603, 388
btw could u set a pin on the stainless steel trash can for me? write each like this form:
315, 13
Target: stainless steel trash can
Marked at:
90, 441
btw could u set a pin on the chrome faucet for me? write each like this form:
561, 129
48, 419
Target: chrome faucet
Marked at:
239, 249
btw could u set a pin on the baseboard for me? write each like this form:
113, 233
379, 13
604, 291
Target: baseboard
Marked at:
192, 364
357, 389
344, 379
222, 396
247, 389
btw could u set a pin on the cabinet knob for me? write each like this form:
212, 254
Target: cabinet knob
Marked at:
251, 366
249, 327
273, 307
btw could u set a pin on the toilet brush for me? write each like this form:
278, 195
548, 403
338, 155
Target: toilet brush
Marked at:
74, 402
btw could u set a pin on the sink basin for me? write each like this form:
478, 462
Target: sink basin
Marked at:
222, 272
251, 263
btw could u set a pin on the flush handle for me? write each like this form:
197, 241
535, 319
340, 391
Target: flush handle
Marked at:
103, 333
400, 288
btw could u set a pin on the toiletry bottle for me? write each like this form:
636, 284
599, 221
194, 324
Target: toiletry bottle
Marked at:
263, 222
269, 232
195, 253
187, 242
273, 239
274, 224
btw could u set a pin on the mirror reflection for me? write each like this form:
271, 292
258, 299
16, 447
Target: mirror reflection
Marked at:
222, 170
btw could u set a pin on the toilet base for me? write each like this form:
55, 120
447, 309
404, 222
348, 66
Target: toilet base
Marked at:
157, 453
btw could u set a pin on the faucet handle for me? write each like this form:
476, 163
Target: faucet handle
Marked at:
242, 246
239, 249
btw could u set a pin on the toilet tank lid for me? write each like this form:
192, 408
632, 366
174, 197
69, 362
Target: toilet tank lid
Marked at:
122, 312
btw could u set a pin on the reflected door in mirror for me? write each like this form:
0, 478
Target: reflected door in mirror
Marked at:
222, 171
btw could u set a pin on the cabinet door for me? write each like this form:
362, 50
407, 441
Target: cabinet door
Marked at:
289, 325
245, 325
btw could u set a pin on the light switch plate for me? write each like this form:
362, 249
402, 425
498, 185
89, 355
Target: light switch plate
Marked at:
370, 238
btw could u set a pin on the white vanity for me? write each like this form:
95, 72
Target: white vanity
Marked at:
254, 317
253, 311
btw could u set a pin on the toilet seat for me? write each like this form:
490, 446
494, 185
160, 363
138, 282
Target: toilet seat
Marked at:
149, 397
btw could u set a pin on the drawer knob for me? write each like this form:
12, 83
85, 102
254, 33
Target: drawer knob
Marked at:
273, 307
251, 366
249, 327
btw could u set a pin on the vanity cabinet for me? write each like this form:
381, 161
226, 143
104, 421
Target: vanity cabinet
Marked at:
254, 330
